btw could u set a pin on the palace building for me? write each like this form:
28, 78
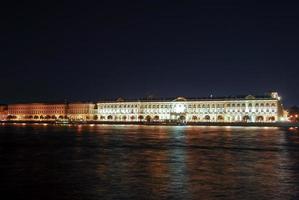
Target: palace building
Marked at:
267, 108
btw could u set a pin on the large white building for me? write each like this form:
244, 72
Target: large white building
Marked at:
250, 108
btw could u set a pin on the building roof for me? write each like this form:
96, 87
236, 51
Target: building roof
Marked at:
224, 98
151, 99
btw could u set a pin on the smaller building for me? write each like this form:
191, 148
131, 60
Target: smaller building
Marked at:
36, 111
80, 111
77, 111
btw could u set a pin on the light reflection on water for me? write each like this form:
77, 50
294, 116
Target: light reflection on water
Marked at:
148, 162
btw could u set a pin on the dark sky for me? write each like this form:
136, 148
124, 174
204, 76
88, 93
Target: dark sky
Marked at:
88, 50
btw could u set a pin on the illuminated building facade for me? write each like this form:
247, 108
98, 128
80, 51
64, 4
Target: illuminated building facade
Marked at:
233, 109
50, 111
36, 111
243, 109
81, 111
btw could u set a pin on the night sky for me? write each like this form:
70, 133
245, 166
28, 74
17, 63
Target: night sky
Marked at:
51, 51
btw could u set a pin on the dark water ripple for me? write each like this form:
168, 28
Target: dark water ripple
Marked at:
148, 162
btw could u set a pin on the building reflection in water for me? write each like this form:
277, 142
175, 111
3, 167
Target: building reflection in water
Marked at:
234, 166
151, 162
191, 163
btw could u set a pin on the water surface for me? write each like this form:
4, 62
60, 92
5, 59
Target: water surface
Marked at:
148, 162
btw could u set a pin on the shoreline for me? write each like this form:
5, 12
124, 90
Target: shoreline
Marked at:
240, 124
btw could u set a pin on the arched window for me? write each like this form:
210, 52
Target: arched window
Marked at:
220, 118
140, 117
259, 118
207, 117
148, 118
246, 118
156, 118
95, 117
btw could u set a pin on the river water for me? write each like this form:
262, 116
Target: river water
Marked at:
147, 162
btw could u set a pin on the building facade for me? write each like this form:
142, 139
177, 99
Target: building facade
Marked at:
50, 111
81, 111
36, 111
243, 109
249, 108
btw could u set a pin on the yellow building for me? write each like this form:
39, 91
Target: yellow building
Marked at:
81, 111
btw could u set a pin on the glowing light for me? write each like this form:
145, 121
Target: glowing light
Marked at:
179, 108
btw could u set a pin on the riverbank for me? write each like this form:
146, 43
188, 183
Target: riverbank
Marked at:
242, 124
